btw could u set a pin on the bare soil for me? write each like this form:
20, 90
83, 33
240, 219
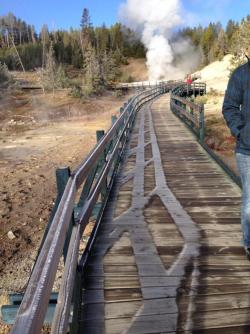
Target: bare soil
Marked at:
136, 68
39, 133
218, 135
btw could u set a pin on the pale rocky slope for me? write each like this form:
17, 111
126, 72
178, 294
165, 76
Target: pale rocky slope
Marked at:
216, 74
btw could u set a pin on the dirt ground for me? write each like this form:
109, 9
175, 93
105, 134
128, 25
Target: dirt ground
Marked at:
136, 68
218, 136
39, 133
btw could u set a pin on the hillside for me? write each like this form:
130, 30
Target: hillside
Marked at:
216, 74
136, 70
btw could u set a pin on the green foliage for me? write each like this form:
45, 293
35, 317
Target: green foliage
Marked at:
231, 29
69, 46
207, 41
215, 42
201, 99
31, 55
235, 62
4, 73
62, 80
6, 57
213, 92
49, 74
76, 91
53, 76
117, 93
240, 45
93, 76
110, 67
125, 77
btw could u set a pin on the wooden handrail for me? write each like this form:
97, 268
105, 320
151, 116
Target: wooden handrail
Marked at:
192, 113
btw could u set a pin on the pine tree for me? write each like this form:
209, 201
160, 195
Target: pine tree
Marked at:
45, 42
231, 28
241, 40
207, 41
109, 67
85, 30
62, 81
49, 74
102, 37
220, 46
93, 78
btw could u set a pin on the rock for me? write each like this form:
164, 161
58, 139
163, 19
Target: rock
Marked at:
11, 235
5, 197
212, 142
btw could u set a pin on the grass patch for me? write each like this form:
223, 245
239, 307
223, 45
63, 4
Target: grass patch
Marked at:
201, 99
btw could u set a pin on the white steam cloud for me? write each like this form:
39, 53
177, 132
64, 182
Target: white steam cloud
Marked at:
156, 20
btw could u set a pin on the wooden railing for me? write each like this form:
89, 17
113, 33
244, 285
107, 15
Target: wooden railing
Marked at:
144, 84
191, 113
83, 193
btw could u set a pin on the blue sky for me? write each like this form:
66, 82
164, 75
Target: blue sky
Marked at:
65, 13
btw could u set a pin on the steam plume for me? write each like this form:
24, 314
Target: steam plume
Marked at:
156, 21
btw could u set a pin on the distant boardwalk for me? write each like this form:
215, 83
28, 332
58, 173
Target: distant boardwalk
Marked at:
167, 258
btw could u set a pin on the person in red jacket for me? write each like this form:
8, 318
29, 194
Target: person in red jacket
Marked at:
189, 80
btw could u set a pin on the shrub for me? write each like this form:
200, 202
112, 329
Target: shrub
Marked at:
202, 99
117, 93
76, 91
127, 78
214, 92
62, 81
4, 73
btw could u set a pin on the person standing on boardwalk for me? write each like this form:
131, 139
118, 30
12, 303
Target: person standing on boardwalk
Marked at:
189, 79
236, 111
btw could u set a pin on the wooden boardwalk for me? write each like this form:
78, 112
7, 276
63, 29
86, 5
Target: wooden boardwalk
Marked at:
167, 258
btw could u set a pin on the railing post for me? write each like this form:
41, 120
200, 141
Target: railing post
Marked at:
113, 119
99, 135
77, 300
62, 176
202, 123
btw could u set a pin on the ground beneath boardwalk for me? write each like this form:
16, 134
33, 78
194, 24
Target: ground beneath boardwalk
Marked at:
32, 146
